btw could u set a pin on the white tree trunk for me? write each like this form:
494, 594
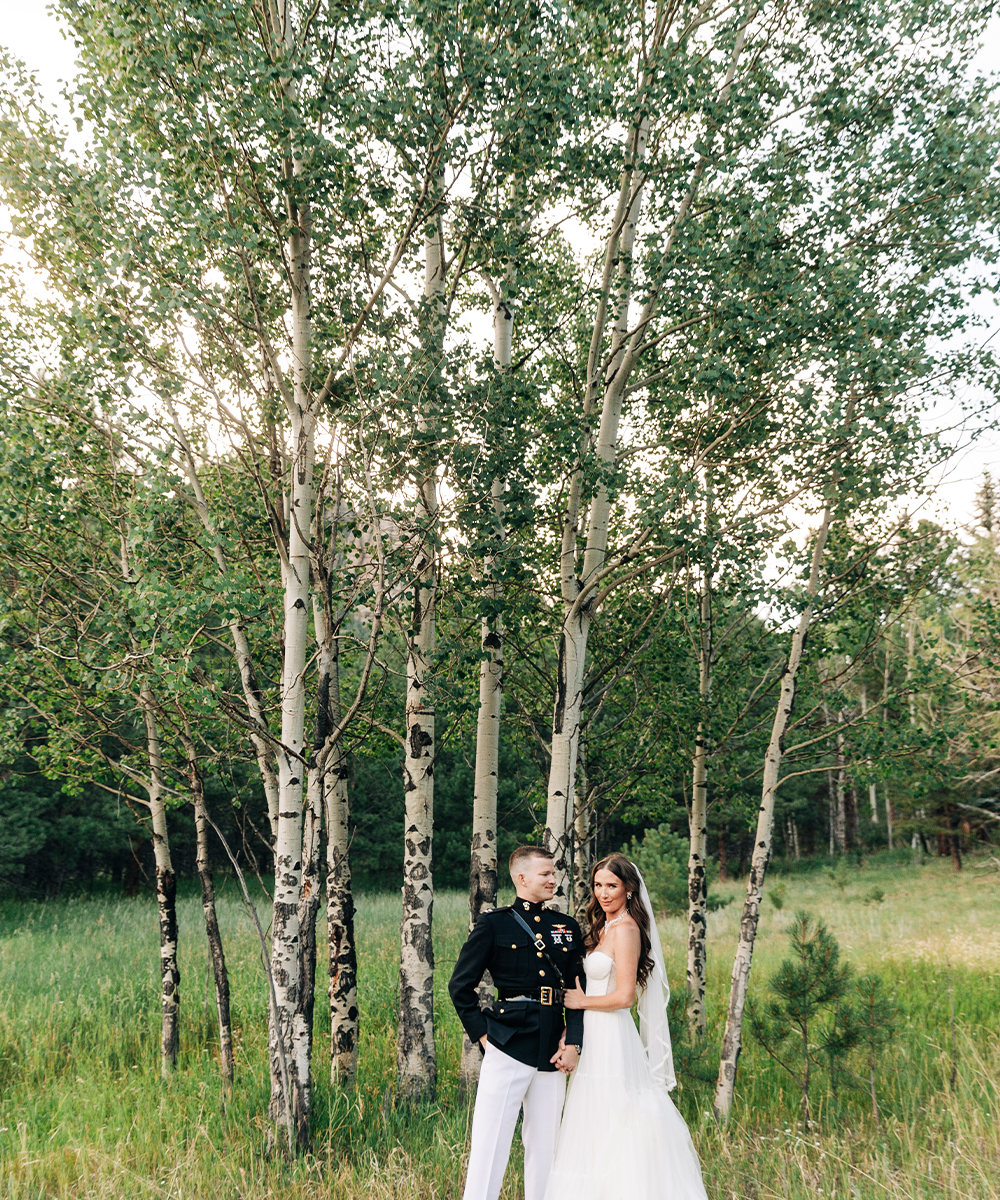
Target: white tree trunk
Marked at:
310, 894
732, 1038
840, 778
579, 592
291, 769
213, 934
343, 980
292, 753
565, 741
698, 827
332, 773
166, 891
831, 810
241, 646
581, 838
483, 871
483, 858
572, 656
416, 1058
831, 787
888, 817
872, 797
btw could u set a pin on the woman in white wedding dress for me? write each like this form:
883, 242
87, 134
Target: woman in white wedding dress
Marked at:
620, 1133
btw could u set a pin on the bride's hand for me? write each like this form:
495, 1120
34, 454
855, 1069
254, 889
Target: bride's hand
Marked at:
575, 997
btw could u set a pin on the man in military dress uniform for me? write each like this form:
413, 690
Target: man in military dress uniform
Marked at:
523, 1061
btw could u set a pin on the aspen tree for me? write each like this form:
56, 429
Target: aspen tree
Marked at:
840, 777
328, 777
608, 372
416, 1058
216, 951
166, 890
343, 986
581, 845
291, 753
483, 865
732, 1038
872, 800
578, 609
698, 821
266, 763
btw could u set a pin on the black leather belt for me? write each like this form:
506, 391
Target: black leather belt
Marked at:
546, 996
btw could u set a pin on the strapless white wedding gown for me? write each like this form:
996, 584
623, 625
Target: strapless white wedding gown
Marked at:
621, 1134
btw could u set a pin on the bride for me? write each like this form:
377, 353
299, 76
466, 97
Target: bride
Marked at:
620, 1133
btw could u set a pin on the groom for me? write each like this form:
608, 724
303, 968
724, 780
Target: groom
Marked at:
529, 951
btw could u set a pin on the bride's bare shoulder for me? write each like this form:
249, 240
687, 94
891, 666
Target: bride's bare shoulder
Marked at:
625, 934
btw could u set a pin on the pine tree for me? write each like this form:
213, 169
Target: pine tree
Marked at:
876, 1028
808, 1020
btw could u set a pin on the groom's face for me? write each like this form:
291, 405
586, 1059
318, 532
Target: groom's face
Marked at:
536, 880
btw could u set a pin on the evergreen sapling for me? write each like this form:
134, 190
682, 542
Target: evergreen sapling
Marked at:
807, 1019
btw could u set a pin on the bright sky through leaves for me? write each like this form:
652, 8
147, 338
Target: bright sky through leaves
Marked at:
33, 34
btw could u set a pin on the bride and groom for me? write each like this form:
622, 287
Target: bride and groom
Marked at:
619, 1131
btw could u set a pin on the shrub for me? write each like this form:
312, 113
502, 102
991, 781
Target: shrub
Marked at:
840, 876
662, 858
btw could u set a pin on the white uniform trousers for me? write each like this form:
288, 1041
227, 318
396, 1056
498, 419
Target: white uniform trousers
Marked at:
504, 1086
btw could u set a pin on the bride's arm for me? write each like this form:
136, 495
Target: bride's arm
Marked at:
626, 956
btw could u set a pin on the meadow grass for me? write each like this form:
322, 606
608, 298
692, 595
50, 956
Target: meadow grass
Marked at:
84, 1113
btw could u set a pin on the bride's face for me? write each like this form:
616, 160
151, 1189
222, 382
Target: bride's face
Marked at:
610, 892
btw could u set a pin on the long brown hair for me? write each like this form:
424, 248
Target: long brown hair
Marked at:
619, 865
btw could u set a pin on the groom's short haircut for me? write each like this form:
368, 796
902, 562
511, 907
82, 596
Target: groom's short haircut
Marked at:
523, 853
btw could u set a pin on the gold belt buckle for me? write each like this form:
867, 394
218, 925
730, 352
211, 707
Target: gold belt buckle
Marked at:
545, 996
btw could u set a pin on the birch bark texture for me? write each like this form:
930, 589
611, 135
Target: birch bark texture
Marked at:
732, 1039
416, 1058
483, 851
291, 752
343, 962
483, 865
698, 824
166, 890
330, 771
581, 846
216, 951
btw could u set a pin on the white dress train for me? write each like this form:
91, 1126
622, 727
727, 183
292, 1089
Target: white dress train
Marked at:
621, 1134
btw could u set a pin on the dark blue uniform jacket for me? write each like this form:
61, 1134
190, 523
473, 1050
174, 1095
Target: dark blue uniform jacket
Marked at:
527, 1030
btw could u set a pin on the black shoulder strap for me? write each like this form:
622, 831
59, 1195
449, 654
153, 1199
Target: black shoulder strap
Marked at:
538, 940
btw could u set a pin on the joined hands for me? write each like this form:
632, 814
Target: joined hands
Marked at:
565, 1057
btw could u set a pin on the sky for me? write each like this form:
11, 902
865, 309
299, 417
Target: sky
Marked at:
33, 35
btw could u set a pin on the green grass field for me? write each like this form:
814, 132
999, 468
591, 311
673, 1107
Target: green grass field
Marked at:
84, 1113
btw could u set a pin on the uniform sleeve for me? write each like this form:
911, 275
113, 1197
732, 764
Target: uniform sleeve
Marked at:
574, 1016
473, 960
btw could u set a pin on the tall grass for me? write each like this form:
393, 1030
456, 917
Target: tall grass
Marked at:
84, 1113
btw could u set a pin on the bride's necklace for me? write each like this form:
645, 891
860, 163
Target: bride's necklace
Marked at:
608, 924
